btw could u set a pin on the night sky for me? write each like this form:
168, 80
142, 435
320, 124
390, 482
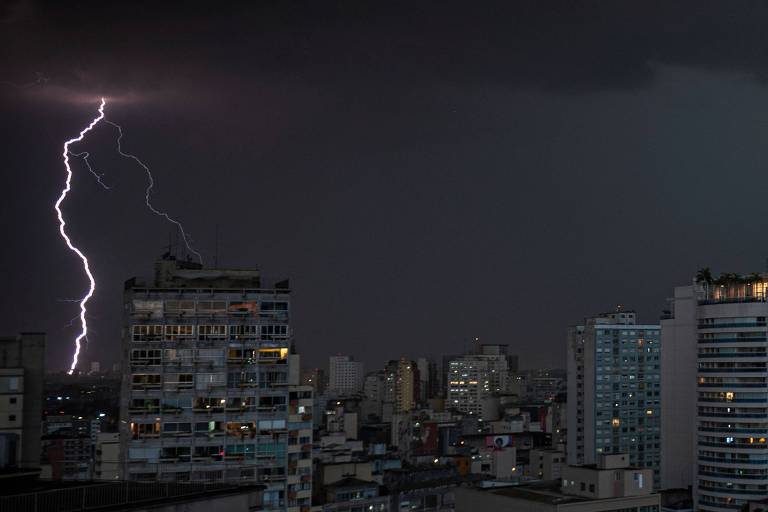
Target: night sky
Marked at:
423, 172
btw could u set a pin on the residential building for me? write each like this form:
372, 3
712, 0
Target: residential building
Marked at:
22, 360
614, 390
106, 460
67, 456
473, 378
545, 384
428, 386
299, 482
401, 385
206, 380
547, 464
724, 321
345, 376
314, 377
374, 391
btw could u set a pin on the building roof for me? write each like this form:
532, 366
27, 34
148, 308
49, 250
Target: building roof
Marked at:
542, 492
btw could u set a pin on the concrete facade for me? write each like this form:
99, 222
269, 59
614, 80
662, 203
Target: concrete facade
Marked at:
22, 367
678, 392
614, 390
206, 392
345, 375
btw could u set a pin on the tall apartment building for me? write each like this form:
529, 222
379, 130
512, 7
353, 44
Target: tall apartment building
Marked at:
428, 386
401, 385
614, 391
720, 379
345, 375
22, 360
473, 378
206, 391
374, 391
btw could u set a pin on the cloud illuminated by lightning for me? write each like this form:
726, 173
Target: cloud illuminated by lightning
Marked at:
84, 301
148, 192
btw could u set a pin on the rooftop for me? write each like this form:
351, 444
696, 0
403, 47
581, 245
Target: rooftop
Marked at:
542, 492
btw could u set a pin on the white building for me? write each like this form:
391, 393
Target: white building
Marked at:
107, 456
345, 376
722, 323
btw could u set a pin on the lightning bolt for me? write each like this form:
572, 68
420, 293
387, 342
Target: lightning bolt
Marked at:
96, 175
92, 287
148, 192
62, 224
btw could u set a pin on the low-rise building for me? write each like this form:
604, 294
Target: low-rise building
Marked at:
106, 460
608, 486
547, 464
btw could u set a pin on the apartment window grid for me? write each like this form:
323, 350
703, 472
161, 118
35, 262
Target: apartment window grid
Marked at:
208, 423
627, 394
732, 409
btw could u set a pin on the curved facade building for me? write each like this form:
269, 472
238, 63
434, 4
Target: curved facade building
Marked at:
715, 418
732, 396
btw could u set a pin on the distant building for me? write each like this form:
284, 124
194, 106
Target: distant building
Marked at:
206, 387
22, 360
345, 376
316, 378
428, 379
547, 464
614, 391
401, 385
473, 378
67, 456
374, 391
545, 384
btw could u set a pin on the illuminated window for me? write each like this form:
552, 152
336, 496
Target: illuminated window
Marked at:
615, 422
729, 395
147, 332
173, 332
209, 332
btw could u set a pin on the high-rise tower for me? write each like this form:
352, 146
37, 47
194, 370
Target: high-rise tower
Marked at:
205, 393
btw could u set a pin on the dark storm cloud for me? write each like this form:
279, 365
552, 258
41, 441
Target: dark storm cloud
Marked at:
423, 171
144, 48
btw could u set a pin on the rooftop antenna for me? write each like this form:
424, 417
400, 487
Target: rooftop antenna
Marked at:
216, 253
169, 252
